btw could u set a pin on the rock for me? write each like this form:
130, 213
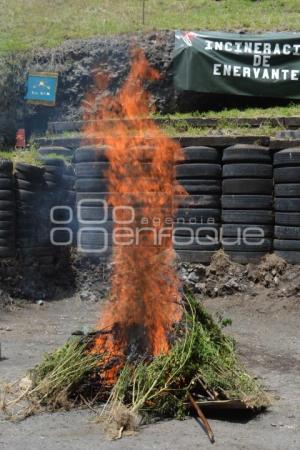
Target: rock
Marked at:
232, 284
200, 287
40, 302
85, 295
193, 277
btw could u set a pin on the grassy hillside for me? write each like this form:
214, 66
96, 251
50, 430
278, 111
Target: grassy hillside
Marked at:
25, 24
226, 114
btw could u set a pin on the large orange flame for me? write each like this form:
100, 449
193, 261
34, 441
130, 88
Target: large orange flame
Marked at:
145, 300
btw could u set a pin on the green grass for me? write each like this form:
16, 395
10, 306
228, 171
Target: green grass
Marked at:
276, 111
30, 155
225, 130
27, 24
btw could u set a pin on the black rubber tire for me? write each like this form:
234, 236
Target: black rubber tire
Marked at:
90, 153
91, 170
25, 234
5, 174
291, 257
185, 243
6, 183
201, 154
246, 153
287, 204
7, 252
8, 242
209, 187
62, 237
29, 186
31, 179
30, 171
198, 215
287, 157
247, 201
233, 244
53, 178
197, 201
6, 166
69, 170
7, 205
7, 215
282, 232
55, 150
247, 186
108, 226
201, 257
7, 234
69, 197
248, 171
91, 185
197, 181
53, 185
196, 229
287, 244
94, 213
198, 189
68, 181
7, 225
98, 198
234, 229
247, 216
94, 239
290, 218
198, 170
287, 175
90, 197
26, 196
57, 162
7, 195
287, 190
245, 257
54, 170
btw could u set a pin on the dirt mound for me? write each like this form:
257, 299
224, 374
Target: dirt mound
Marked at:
224, 277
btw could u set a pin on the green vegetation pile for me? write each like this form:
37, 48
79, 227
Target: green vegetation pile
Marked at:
201, 363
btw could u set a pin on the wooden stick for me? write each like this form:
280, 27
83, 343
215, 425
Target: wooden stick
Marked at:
202, 418
88, 404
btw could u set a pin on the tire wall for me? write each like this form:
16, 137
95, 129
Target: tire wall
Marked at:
28, 229
229, 191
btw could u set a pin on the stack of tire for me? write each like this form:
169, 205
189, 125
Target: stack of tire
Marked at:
287, 204
7, 210
93, 217
198, 218
56, 198
247, 202
33, 238
68, 194
52, 151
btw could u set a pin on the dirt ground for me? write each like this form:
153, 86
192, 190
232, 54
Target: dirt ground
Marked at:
267, 332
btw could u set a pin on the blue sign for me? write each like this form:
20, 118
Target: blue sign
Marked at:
41, 88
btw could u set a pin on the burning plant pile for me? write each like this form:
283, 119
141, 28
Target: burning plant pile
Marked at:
156, 351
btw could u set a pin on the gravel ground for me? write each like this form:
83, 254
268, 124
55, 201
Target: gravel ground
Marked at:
267, 332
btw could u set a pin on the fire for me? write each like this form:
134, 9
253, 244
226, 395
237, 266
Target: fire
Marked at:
145, 300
